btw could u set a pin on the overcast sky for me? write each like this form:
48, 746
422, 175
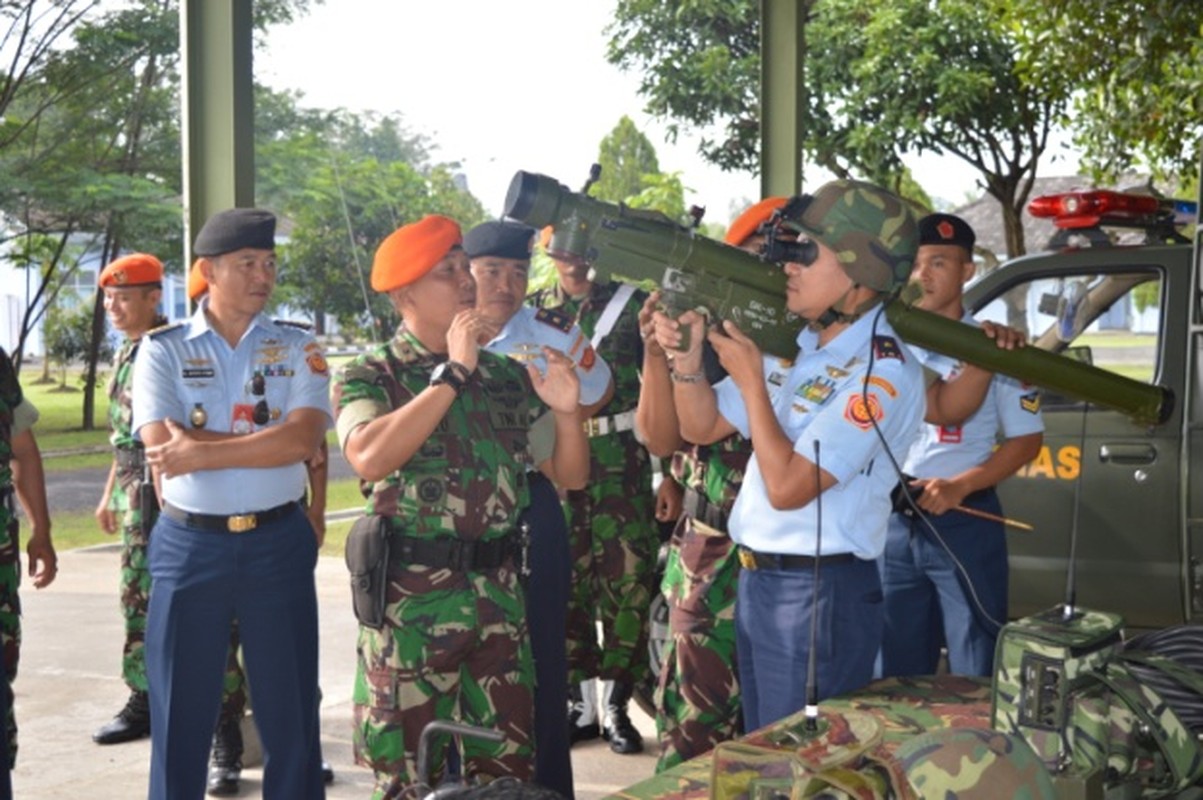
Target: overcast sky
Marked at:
502, 87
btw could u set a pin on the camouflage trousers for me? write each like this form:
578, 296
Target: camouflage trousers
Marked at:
454, 647
614, 541
10, 620
135, 596
697, 696
135, 599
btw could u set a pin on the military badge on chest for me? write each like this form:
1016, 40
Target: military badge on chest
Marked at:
817, 390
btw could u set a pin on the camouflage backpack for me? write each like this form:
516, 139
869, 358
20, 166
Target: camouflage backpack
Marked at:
1064, 686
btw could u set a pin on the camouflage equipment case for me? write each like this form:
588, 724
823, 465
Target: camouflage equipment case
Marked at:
1039, 663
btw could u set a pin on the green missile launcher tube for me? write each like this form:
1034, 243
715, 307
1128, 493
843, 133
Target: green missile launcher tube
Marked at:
1145, 403
693, 271
696, 272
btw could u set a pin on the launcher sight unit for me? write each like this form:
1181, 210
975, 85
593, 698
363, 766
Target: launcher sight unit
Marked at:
727, 283
692, 271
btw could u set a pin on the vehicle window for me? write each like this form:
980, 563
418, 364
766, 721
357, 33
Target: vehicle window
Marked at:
1113, 318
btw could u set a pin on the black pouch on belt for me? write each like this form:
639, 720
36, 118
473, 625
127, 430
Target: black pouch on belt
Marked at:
367, 559
148, 502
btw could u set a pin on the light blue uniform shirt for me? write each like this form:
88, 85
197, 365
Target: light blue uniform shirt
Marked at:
819, 398
530, 329
1011, 408
189, 368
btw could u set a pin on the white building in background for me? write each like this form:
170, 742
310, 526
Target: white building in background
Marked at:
18, 285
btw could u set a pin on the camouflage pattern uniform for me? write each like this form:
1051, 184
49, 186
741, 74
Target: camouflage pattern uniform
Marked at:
697, 696
124, 501
10, 549
611, 523
135, 574
455, 642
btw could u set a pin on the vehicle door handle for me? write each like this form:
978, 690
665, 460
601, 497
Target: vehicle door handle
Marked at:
1128, 454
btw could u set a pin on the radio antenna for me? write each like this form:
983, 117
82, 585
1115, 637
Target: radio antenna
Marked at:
1071, 584
812, 684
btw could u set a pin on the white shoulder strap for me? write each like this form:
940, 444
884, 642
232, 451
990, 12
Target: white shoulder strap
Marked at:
605, 322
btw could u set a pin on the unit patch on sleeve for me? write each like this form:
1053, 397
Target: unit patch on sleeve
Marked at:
1030, 402
861, 413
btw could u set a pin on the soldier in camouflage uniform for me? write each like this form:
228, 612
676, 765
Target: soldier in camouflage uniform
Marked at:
132, 287
611, 522
20, 474
697, 694
445, 431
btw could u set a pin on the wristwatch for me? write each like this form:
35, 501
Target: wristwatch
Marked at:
451, 373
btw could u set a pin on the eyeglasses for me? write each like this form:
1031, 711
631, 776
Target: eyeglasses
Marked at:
262, 413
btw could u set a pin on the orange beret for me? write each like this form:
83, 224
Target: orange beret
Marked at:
197, 285
412, 250
136, 269
746, 223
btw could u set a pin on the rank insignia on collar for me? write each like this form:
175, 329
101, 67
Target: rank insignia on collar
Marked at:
887, 347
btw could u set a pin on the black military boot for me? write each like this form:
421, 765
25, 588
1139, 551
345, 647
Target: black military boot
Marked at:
618, 730
131, 722
582, 713
225, 771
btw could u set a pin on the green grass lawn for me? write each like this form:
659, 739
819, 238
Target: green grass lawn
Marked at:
79, 529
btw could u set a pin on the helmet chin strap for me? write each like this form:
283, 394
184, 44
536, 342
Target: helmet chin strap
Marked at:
834, 315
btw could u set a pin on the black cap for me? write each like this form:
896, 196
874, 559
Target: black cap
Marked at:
234, 229
946, 229
501, 239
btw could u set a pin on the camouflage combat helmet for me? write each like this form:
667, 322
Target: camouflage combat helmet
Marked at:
873, 232
973, 764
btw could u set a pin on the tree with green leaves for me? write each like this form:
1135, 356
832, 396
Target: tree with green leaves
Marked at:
626, 156
1135, 70
983, 82
345, 182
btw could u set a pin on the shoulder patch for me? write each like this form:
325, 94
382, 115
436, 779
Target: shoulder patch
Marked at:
887, 347
165, 328
292, 323
556, 319
1030, 402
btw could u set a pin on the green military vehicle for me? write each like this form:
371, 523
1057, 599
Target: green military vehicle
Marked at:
1129, 488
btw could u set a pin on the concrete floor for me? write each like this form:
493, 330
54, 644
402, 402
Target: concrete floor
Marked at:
69, 684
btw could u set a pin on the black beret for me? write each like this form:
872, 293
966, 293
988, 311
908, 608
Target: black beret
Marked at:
234, 229
501, 239
946, 229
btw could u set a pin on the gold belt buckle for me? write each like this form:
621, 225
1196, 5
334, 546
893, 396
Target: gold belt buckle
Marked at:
747, 559
592, 426
241, 523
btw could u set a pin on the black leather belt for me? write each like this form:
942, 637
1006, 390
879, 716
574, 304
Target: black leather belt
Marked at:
750, 559
130, 458
457, 554
696, 505
233, 523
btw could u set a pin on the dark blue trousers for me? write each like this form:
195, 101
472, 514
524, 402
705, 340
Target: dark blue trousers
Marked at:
927, 599
773, 624
547, 615
202, 581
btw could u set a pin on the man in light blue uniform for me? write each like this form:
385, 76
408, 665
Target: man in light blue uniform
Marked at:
500, 254
956, 465
819, 480
229, 405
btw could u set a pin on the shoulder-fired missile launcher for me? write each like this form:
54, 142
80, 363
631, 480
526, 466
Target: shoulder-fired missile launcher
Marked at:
726, 283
